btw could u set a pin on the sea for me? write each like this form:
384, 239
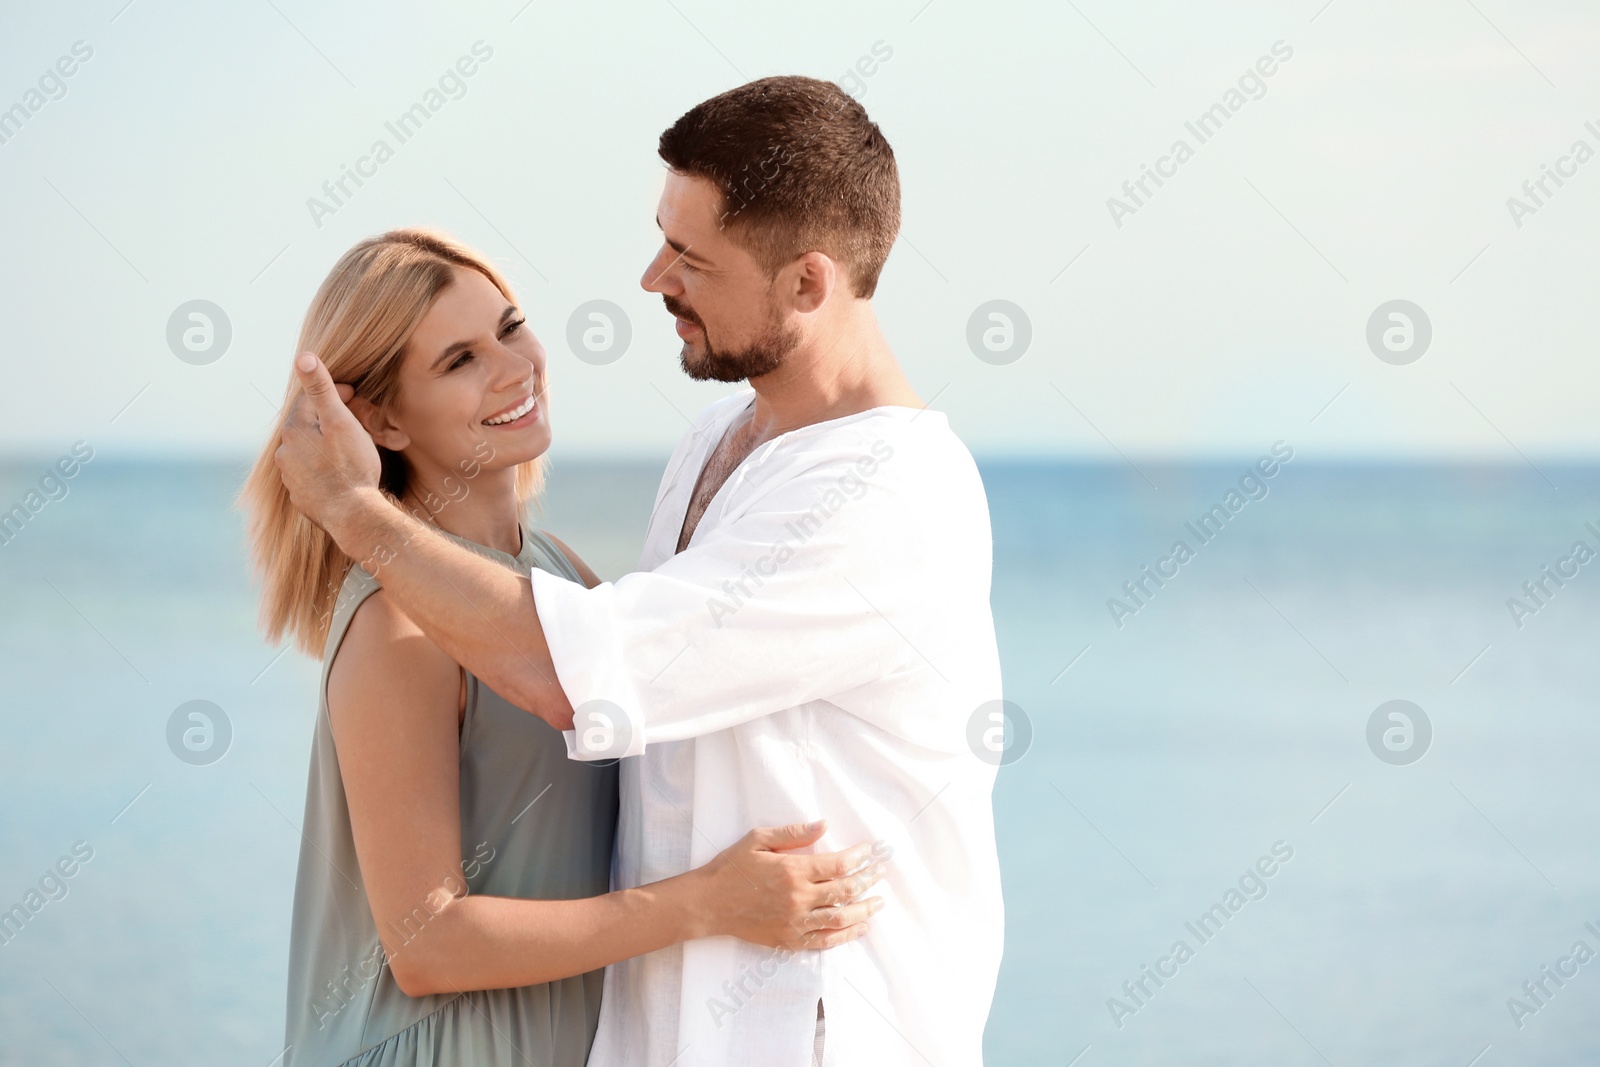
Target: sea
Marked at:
1318, 789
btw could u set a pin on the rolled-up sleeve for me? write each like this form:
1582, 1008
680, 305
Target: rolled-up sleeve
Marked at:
792, 599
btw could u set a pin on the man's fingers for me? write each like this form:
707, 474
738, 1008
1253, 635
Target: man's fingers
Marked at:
318, 384
301, 413
314, 377
320, 396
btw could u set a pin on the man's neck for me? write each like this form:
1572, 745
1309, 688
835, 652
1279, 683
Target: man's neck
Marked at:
846, 370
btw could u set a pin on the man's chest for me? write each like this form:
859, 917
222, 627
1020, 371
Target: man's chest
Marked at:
737, 443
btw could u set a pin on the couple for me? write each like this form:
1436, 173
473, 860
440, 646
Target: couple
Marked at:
554, 820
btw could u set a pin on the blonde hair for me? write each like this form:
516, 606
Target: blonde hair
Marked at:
358, 323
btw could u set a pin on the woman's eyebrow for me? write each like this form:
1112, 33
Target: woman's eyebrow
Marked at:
462, 346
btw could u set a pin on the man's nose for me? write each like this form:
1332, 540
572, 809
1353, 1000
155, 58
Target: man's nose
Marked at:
659, 276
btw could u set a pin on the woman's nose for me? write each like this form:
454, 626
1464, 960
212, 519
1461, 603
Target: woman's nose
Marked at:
521, 366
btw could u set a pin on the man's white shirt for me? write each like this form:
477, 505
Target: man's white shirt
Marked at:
822, 648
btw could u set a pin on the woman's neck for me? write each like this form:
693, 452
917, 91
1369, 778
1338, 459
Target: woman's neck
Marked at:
482, 509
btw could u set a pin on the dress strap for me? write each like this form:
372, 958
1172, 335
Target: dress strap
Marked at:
549, 557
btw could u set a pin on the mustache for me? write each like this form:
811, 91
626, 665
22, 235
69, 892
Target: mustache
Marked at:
681, 310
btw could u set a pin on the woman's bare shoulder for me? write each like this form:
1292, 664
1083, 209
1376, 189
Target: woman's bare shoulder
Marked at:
386, 662
590, 578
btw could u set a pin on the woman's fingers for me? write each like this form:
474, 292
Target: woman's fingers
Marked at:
840, 891
827, 866
844, 916
833, 938
769, 895
781, 838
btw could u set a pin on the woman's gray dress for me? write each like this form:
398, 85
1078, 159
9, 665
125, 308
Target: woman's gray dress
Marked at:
534, 824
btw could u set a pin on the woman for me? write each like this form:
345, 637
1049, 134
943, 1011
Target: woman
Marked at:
451, 904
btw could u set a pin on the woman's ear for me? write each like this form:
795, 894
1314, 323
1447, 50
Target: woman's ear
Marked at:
379, 426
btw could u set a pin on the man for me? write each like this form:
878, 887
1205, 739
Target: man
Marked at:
808, 633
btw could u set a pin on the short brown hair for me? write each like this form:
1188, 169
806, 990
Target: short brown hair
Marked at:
801, 168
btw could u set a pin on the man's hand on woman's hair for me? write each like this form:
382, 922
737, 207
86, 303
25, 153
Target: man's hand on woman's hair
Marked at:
326, 456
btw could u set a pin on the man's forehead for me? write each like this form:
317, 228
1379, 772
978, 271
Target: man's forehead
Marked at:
688, 207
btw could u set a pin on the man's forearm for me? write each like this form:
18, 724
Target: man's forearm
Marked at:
479, 613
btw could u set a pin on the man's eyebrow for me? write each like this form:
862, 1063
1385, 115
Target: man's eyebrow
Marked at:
682, 250
462, 346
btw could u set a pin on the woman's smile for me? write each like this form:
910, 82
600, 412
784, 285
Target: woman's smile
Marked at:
523, 413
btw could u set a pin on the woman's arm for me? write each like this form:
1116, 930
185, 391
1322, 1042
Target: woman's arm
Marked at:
393, 701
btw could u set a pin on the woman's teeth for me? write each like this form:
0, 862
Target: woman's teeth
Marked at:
512, 415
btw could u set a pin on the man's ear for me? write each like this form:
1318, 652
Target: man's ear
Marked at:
814, 276
379, 426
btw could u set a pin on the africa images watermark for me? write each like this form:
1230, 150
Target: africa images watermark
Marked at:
199, 732
451, 85
51, 85
851, 485
1252, 486
51, 888
1252, 885
1537, 992
1536, 192
1541, 589
52, 486
1205, 126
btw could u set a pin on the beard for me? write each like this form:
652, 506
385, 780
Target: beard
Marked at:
761, 356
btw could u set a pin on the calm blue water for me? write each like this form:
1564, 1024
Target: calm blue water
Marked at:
1221, 719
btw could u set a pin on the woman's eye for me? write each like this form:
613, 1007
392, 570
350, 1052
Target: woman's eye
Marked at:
513, 326
460, 360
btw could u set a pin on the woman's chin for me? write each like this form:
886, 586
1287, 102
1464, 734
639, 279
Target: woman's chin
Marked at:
520, 445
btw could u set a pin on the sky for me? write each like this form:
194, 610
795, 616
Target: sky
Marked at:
1208, 316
